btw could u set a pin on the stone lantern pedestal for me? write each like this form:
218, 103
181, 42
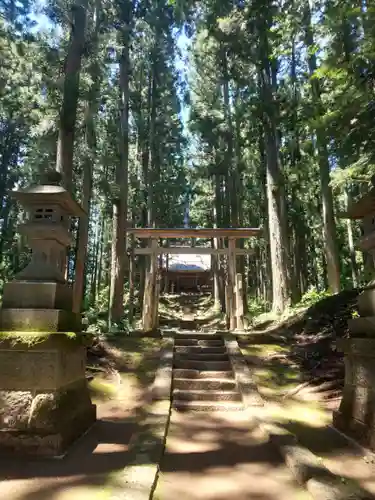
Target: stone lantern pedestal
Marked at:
356, 415
44, 399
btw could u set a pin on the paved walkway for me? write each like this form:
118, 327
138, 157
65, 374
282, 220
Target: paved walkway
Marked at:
221, 456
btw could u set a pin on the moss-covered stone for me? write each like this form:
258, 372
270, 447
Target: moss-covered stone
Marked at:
31, 338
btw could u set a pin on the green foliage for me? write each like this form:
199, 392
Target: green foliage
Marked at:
256, 307
246, 77
312, 297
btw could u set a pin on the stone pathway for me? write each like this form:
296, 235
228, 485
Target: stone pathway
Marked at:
221, 456
202, 374
212, 454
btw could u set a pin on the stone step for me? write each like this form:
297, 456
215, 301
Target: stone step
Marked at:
206, 395
198, 343
187, 325
196, 356
207, 405
190, 349
192, 374
204, 384
192, 364
197, 336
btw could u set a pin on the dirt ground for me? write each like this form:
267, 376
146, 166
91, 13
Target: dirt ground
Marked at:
304, 406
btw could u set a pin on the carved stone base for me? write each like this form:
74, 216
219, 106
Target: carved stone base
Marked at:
355, 429
356, 415
44, 423
37, 295
42, 320
366, 301
362, 327
44, 399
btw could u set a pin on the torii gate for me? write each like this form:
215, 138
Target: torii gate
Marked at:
233, 283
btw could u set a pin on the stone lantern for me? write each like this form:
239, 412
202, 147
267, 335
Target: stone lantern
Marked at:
356, 415
45, 402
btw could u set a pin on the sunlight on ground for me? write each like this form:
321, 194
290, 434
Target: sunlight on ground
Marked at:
200, 308
217, 455
83, 493
101, 389
286, 409
289, 411
275, 382
139, 355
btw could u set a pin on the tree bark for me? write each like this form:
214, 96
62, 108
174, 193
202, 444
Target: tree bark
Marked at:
329, 225
94, 279
274, 182
68, 114
83, 231
121, 203
349, 228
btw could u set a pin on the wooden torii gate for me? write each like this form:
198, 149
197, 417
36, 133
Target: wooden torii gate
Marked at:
233, 282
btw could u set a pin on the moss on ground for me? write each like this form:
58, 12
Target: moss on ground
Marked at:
122, 365
272, 376
101, 389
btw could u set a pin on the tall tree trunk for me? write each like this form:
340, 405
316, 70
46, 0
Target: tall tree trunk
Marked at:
349, 228
73, 62
94, 279
329, 226
83, 237
153, 173
274, 181
218, 221
263, 203
151, 212
231, 165
101, 259
145, 163
91, 111
218, 284
121, 203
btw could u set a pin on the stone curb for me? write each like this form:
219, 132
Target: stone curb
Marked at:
242, 374
138, 479
309, 470
162, 387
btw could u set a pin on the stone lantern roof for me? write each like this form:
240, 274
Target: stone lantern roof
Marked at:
363, 207
49, 195
47, 229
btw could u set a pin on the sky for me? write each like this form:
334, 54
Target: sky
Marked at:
42, 21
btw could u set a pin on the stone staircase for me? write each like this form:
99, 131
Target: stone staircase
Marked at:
202, 375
